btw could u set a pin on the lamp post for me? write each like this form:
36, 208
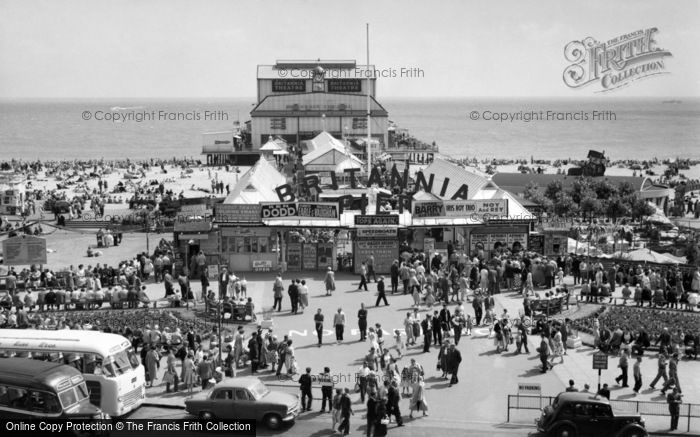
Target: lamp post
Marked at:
187, 273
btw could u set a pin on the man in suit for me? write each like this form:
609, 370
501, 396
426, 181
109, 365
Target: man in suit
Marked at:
427, 327
395, 277
381, 293
454, 358
223, 283
445, 318
305, 382
293, 292
393, 398
345, 412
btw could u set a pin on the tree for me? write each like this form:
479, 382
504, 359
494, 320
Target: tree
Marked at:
639, 208
615, 208
553, 190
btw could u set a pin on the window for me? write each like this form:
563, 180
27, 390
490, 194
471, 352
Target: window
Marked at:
583, 409
246, 244
263, 244
4, 396
18, 397
242, 394
253, 244
602, 410
224, 394
224, 244
239, 245
68, 397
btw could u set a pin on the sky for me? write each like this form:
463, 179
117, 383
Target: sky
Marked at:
210, 49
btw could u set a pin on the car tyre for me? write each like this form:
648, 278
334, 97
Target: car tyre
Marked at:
206, 415
565, 431
272, 421
636, 433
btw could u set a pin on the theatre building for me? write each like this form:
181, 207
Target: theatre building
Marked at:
299, 99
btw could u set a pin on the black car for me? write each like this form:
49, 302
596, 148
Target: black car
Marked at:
574, 414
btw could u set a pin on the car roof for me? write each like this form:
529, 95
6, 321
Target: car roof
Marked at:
241, 382
582, 397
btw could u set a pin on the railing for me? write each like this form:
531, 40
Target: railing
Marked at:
647, 408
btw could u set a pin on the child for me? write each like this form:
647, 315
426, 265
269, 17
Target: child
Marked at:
405, 381
429, 297
250, 309
560, 276
400, 345
469, 324
626, 293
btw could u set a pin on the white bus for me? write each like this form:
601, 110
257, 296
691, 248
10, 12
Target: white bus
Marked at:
113, 374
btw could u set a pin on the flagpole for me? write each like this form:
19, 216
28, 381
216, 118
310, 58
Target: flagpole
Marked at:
369, 126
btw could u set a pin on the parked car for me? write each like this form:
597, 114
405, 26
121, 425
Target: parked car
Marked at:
244, 398
574, 414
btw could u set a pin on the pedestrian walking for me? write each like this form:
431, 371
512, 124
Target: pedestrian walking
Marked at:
371, 416
454, 358
381, 294
204, 371
362, 322
318, 322
673, 375
393, 400
363, 277
543, 351
305, 382
339, 323
326, 390
418, 399
623, 365
335, 412
171, 376
345, 412
661, 372
399, 343
637, 373
187, 374
370, 268
427, 327
278, 288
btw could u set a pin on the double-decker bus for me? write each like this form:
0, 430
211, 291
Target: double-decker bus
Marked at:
113, 374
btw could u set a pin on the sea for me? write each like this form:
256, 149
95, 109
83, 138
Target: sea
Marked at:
483, 128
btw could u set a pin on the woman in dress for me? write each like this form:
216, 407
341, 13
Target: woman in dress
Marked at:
416, 296
429, 297
408, 327
418, 401
187, 375
289, 359
558, 349
303, 295
442, 358
399, 343
329, 281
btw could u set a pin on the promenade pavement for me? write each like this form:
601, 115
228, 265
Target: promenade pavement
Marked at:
486, 376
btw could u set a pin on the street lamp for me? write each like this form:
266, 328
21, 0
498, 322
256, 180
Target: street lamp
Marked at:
186, 268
